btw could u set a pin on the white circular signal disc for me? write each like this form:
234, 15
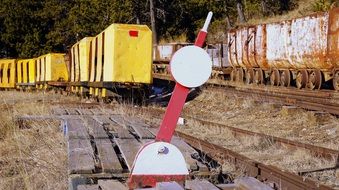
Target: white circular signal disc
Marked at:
191, 66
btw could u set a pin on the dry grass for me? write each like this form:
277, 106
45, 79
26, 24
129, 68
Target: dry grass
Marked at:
262, 150
271, 119
34, 157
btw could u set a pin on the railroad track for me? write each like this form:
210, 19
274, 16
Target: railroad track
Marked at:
317, 151
277, 178
323, 100
319, 100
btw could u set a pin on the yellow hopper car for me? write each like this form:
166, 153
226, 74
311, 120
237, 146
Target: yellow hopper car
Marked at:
25, 73
79, 65
120, 57
7, 73
51, 68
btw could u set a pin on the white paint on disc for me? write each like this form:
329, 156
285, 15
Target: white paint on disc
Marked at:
191, 66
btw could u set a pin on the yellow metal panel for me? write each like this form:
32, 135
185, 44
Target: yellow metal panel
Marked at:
24, 70
53, 67
93, 59
58, 67
84, 47
19, 71
2, 66
72, 79
38, 69
41, 70
130, 59
99, 57
109, 53
31, 70
8, 67
77, 63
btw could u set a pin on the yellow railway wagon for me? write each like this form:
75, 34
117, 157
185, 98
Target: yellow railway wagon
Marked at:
7, 73
79, 64
51, 68
121, 54
26, 72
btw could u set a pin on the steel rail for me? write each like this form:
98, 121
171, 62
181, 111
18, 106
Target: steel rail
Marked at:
318, 151
269, 174
323, 100
315, 150
320, 100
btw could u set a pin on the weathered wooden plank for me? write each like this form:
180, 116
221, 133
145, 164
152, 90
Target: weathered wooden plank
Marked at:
84, 111
250, 183
230, 186
95, 128
111, 184
129, 149
187, 151
103, 119
72, 111
97, 111
108, 158
168, 186
200, 185
108, 111
140, 129
115, 129
76, 129
59, 111
80, 156
118, 119
88, 187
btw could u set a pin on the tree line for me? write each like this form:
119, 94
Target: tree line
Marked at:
29, 28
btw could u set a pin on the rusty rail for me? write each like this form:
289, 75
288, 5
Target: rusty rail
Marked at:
323, 100
320, 100
315, 150
269, 174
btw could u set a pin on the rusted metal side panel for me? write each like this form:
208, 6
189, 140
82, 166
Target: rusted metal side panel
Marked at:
225, 62
333, 38
241, 50
164, 52
309, 42
279, 45
251, 49
214, 51
232, 48
260, 47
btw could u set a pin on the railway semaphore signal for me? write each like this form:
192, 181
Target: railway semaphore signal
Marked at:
160, 161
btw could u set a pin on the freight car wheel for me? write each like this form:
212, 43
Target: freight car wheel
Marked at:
301, 79
285, 78
249, 76
314, 80
275, 77
259, 76
336, 81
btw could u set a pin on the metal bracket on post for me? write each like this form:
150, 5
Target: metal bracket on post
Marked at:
161, 161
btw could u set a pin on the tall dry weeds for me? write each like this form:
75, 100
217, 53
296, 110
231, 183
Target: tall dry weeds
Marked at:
34, 156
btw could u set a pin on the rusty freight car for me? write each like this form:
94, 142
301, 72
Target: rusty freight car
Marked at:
301, 51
